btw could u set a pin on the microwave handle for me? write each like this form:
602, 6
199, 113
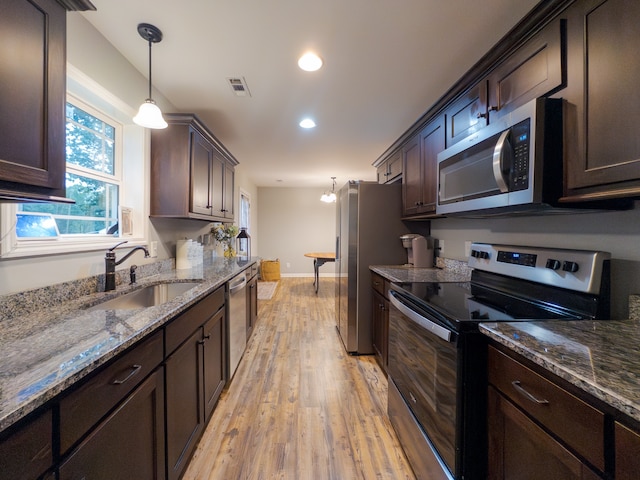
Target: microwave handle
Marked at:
503, 147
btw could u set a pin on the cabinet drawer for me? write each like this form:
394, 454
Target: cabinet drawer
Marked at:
578, 424
185, 324
379, 284
85, 406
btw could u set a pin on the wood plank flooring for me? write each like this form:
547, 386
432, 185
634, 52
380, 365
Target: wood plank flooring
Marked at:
298, 406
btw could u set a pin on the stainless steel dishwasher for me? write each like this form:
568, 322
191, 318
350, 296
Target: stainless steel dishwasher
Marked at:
237, 301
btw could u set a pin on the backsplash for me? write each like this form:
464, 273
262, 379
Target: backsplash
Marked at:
23, 303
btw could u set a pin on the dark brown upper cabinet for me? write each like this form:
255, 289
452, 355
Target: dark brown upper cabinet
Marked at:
32, 95
467, 114
536, 69
192, 174
603, 136
420, 177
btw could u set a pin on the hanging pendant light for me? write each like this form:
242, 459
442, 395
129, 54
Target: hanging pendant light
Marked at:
149, 115
331, 197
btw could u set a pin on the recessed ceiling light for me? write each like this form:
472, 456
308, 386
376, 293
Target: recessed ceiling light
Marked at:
310, 62
307, 123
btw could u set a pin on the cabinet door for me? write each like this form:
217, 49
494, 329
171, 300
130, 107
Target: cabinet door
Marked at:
26, 453
467, 114
184, 403
127, 444
215, 363
252, 304
32, 92
432, 139
380, 330
532, 71
627, 453
229, 189
603, 72
202, 165
412, 178
518, 448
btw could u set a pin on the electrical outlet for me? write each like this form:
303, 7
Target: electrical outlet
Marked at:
153, 249
440, 248
288, 265
467, 248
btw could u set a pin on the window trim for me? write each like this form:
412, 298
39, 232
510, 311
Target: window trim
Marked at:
135, 146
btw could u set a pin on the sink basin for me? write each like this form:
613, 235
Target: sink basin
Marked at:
146, 297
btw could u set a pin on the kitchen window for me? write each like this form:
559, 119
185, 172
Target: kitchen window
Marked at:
92, 179
105, 176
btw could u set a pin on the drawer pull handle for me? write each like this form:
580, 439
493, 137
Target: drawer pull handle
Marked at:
524, 393
134, 370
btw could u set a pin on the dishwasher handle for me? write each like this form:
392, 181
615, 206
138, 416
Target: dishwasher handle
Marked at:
438, 330
240, 284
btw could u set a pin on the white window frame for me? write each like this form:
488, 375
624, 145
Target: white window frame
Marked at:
132, 162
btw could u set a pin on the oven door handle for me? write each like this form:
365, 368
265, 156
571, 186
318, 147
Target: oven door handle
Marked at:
438, 330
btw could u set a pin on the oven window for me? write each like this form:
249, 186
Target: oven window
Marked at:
424, 368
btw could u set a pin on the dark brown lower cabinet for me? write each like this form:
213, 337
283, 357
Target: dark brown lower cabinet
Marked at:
215, 361
185, 412
26, 452
252, 304
129, 443
195, 370
627, 453
520, 449
380, 318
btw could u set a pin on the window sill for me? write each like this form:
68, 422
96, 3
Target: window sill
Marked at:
35, 248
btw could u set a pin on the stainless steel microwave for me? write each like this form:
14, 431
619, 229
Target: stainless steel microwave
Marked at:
512, 165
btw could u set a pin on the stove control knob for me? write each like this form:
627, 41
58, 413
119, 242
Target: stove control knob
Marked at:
553, 264
475, 253
570, 267
484, 255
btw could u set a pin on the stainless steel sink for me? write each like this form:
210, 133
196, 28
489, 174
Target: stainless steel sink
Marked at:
146, 297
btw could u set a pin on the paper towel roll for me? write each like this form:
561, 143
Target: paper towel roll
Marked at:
183, 260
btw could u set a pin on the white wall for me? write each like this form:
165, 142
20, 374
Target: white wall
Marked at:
293, 221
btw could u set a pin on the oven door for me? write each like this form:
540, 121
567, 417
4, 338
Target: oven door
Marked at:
423, 367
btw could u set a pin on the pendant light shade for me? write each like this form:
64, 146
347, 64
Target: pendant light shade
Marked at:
149, 115
331, 196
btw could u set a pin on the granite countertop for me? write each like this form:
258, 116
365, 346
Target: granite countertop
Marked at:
446, 271
601, 357
48, 347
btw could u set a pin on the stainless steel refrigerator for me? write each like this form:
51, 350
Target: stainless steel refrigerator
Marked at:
368, 228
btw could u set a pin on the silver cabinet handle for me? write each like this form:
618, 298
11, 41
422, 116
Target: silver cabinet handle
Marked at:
498, 155
134, 370
529, 396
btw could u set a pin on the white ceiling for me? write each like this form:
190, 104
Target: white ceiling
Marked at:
386, 63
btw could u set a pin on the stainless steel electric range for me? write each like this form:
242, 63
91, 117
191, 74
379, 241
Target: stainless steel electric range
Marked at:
437, 356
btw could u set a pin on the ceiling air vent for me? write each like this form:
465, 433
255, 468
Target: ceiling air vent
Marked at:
239, 86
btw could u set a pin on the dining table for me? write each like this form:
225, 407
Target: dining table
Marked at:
319, 259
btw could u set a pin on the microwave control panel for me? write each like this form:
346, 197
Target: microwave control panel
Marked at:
520, 135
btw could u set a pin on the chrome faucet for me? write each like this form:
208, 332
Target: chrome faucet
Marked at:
110, 264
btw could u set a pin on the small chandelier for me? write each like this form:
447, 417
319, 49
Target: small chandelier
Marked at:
331, 197
149, 115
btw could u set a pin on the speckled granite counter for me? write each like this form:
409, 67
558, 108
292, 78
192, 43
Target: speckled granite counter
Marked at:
600, 357
447, 271
49, 340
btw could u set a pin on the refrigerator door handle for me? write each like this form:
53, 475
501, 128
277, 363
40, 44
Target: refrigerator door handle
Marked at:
337, 248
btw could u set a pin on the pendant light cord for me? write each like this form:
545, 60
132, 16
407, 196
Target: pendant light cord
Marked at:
150, 69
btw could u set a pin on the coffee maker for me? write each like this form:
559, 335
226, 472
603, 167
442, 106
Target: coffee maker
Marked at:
419, 250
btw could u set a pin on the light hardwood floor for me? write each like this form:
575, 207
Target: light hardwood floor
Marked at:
298, 406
